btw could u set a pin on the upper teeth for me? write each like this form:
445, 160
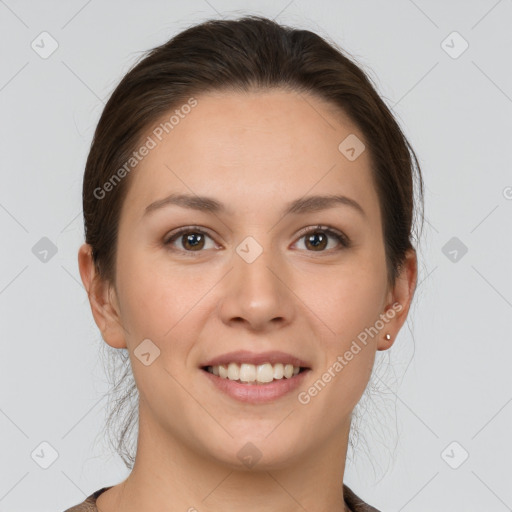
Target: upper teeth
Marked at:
254, 373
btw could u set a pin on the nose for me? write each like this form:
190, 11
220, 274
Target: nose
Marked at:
256, 294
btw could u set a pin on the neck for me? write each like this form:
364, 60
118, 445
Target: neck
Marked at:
171, 474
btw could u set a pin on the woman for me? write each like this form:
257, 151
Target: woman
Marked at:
249, 203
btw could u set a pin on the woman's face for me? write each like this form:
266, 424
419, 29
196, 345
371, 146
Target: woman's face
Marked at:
247, 276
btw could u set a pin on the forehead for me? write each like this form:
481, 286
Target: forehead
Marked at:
241, 146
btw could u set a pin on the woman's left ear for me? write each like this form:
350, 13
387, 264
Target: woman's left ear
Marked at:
399, 300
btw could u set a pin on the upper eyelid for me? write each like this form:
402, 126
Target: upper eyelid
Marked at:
187, 229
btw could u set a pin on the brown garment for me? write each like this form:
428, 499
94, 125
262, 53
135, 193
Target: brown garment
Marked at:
355, 503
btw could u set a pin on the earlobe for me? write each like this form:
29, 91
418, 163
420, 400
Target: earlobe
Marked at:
400, 299
101, 299
388, 341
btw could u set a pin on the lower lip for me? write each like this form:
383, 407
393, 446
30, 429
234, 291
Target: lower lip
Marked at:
257, 393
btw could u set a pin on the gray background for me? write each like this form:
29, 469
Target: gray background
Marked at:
450, 366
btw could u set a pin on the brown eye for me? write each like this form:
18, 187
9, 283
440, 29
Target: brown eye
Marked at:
191, 240
317, 239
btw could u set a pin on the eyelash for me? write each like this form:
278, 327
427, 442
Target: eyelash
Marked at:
343, 240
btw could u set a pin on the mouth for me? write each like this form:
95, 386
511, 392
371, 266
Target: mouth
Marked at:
250, 368
251, 374
256, 378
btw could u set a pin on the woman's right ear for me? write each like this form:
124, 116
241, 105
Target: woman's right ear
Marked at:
103, 300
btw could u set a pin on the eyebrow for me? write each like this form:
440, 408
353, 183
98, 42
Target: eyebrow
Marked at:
298, 206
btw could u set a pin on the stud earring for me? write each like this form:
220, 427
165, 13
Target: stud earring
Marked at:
388, 337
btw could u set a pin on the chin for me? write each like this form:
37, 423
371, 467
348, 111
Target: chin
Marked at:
257, 452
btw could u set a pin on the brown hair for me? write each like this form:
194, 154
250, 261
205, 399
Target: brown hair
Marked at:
248, 54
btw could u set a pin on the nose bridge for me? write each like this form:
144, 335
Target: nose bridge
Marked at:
253, 262
256, 292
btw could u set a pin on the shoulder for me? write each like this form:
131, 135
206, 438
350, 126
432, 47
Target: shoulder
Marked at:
89, 504
355, 503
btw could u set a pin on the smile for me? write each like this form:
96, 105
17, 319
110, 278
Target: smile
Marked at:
255, 392
254, 374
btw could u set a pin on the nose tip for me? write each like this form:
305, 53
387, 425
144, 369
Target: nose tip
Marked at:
254, 293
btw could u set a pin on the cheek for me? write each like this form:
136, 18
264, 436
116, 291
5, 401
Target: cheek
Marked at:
160, 301
345, 299
351, 308
164, 309
359, 304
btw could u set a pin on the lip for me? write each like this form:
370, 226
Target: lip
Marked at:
257, 393
245, 356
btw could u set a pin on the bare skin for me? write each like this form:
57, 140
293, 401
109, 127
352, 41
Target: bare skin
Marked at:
254, 153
